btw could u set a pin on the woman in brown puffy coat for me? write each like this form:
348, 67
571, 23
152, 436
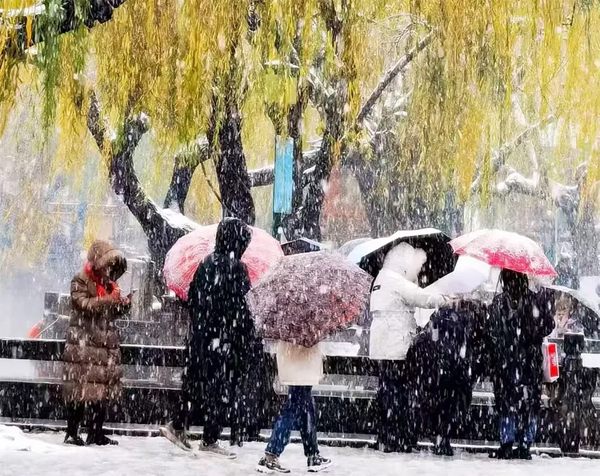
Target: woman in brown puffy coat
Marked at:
92, 356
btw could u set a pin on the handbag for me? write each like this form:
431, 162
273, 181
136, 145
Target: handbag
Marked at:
551, 369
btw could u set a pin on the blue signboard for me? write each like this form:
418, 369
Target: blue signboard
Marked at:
283, 186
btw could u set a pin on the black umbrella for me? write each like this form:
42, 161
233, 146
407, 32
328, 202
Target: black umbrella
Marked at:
440, 255
302, 245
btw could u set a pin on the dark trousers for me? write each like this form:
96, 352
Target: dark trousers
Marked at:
78, 411
211, 402
211, 429
298, 412
518, 413
397, 417
514, 429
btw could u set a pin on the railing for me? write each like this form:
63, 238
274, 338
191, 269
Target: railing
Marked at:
345, 400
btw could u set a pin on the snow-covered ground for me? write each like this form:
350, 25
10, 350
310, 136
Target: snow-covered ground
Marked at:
45, 455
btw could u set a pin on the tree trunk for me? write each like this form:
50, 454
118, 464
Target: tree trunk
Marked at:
186, 163
179, 187
160, 233
293, 225
232, 173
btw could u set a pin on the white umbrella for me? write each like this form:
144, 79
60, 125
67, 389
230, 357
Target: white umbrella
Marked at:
468, 276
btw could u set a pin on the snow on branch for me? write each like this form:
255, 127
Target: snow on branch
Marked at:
134, 128
500, 154
391, 75
265, 176
262, 177
518, 183
186, 163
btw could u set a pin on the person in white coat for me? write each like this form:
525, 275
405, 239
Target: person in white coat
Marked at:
299, 368
394, 297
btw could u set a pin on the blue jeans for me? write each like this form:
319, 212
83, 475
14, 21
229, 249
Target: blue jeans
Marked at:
526, 429
298, 412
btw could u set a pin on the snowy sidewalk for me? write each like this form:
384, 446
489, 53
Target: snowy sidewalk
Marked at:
45, 455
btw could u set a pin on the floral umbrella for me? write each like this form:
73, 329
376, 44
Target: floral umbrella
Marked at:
309, 295
183, 259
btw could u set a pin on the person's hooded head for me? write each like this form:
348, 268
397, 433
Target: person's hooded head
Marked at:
514, 284
106, 260
406, 261
233, 238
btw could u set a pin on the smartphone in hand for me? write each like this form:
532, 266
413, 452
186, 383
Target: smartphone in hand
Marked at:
132, 293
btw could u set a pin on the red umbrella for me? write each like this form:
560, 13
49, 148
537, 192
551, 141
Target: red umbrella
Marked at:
183, 259
308, 296
504, 249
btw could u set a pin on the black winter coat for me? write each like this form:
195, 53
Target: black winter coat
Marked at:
222, 341
516, 332
447, 359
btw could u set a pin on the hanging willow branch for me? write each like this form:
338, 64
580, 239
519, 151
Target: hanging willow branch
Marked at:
28, 25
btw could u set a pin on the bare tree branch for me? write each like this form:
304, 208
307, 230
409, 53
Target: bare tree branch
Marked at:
262, 177
391, 75
265, 176
95, 122
518, 183
500, 155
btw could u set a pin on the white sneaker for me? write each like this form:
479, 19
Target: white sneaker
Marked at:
178, 437
317, 463
218, 450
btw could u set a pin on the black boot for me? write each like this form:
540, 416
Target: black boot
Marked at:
96, 434
442, 447
74, 440
524, 452
101, 439
504, 452
75, 413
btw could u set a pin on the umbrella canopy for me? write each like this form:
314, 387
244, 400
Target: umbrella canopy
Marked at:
183, 259
440, 256
302, 245
349, 246
307, 296
504, 249
468, 277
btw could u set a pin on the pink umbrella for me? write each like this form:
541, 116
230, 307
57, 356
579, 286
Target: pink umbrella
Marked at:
183, 259
504, 249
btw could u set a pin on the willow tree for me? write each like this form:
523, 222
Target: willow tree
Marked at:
200, 90
432, 104
500, 102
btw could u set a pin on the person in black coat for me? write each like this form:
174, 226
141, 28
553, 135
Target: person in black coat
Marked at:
447, 359
519, 321
221, 346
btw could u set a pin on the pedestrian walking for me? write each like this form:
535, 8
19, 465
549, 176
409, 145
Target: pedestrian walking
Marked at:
300, 368
394, 297
221, 343
91, 373
519, 321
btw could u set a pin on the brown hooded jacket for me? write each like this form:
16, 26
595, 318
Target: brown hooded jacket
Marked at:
92, 356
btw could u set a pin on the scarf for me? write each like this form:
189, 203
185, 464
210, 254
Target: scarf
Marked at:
101, 291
